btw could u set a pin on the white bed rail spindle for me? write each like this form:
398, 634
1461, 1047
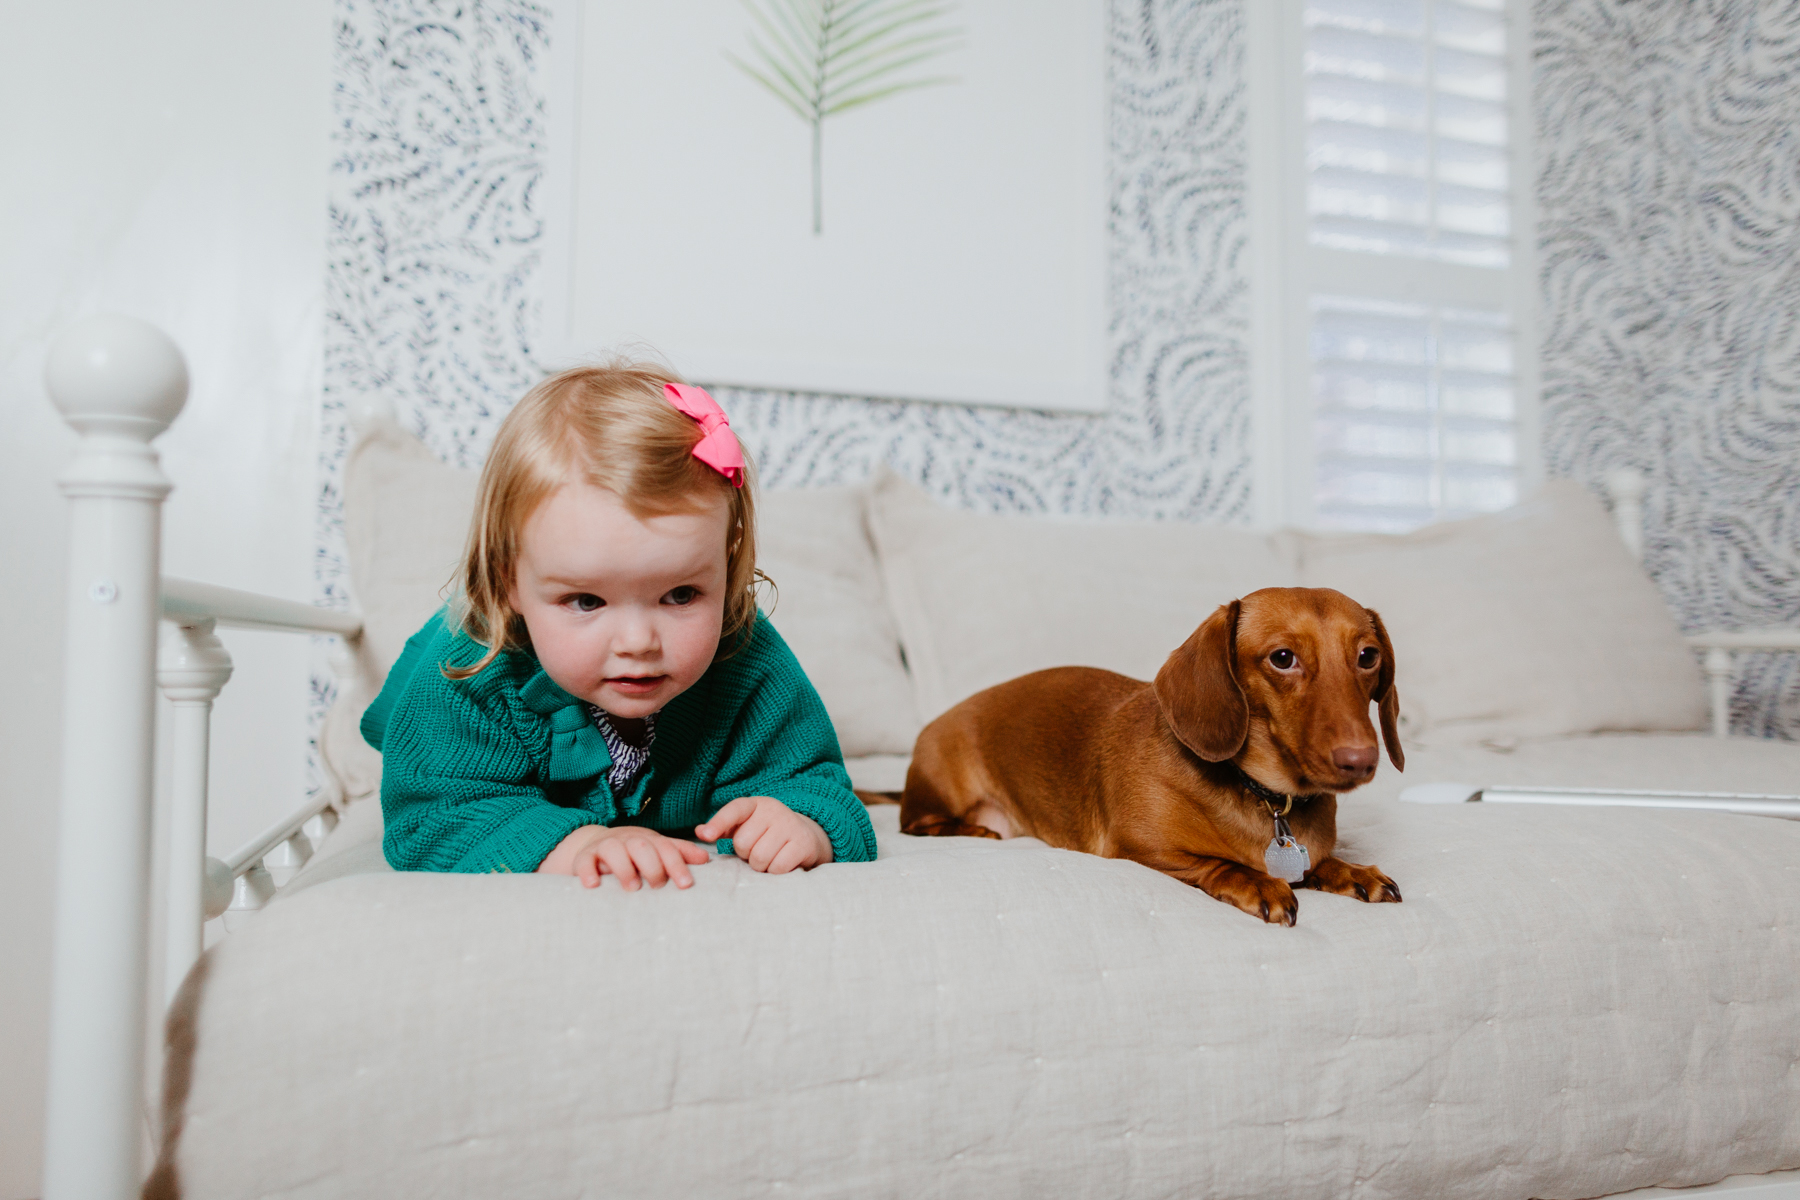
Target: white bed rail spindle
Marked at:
192, 666
1719, 666
119, 382
1722, 648
197, 664
1626, 487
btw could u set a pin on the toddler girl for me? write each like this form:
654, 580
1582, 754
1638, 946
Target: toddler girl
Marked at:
602, 682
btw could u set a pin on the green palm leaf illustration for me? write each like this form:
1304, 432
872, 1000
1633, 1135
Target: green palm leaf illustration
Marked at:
824, 57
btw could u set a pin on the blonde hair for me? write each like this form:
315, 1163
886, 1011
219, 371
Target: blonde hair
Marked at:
612, 427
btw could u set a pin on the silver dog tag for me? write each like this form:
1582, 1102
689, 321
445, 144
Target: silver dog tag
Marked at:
1286, 858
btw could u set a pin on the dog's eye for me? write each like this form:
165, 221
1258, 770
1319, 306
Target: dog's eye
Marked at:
1368, 658
1282, 660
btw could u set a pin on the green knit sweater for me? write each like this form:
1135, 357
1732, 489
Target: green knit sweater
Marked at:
490, 773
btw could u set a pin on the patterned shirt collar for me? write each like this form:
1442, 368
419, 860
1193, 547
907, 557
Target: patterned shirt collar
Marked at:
628, 761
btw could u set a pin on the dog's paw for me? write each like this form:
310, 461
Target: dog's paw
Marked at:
1349, 879
1256, 892
936, 825
1259, 895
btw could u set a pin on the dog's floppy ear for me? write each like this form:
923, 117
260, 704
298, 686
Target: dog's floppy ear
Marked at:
1198, 690
1387, 695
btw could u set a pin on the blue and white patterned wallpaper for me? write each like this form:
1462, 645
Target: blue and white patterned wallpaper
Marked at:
1669, 229
1667, 192
434, 232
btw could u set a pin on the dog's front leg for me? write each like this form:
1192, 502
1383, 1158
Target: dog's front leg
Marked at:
1256, 892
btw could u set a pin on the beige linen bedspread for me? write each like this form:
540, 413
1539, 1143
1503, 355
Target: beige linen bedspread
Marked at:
1569, 1003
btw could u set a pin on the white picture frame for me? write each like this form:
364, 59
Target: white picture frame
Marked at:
963, 249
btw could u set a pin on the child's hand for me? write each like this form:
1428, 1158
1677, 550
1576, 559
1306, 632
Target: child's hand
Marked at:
768, 835
631, 853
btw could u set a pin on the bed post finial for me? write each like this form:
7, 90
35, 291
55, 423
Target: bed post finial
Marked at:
1626, 486
119, 382
115, 374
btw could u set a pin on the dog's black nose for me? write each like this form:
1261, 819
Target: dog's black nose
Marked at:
1354, 758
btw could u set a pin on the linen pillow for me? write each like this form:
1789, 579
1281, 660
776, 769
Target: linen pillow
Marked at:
830, 607
406, 515
982, 599
1531, 622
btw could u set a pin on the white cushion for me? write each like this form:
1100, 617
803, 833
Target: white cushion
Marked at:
981, 599
830, 607
1569, 1003
878, 772
406, 515
1533, 622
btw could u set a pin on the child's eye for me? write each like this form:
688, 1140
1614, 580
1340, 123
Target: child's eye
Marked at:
682, 596
586, 602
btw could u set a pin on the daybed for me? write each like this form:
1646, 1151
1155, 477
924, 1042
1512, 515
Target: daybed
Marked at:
1570, 1002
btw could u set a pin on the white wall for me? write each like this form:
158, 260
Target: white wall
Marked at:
167, 161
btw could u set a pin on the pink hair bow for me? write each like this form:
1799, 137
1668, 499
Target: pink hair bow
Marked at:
718, 447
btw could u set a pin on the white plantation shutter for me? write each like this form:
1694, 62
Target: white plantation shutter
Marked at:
1403, 258
1406, 128
1413, 417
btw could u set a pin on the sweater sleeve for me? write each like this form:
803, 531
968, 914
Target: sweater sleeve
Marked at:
375, 717
458, 790
783, 745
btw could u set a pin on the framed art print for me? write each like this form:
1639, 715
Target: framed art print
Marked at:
885, 198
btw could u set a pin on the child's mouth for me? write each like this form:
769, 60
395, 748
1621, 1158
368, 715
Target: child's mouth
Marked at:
636, 685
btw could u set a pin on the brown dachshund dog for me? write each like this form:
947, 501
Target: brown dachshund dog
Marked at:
1264, 709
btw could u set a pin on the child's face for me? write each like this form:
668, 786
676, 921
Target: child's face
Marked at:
624, 611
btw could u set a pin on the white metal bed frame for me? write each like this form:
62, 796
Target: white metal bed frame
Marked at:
120, 382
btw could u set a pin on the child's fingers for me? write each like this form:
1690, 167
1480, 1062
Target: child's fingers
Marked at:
691, 851
674, 861
793, 855
743, 842
618, 860
771, 843
587, 867
726, 819
648, 860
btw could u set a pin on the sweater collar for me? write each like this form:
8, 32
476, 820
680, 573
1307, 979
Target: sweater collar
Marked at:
577, 750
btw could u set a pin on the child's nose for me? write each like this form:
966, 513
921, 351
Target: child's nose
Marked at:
636, 634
